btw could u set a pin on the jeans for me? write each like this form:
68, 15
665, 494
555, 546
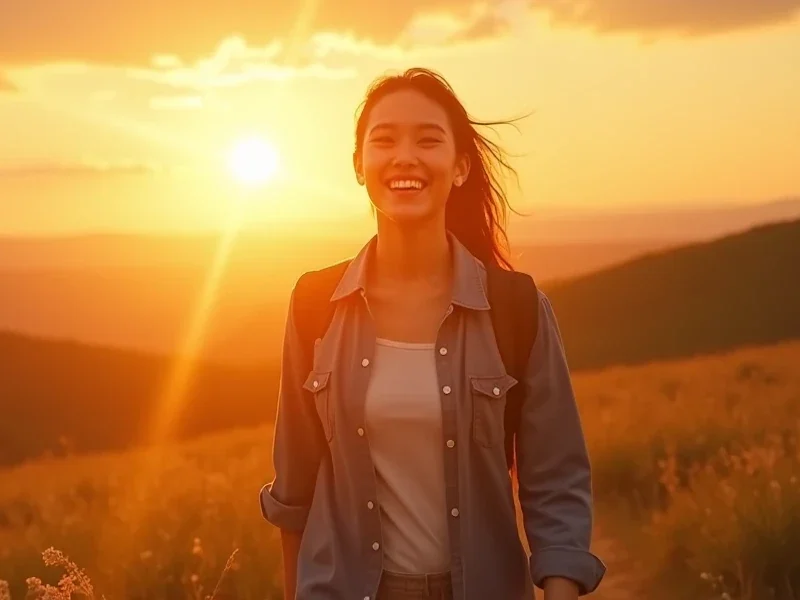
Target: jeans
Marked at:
401, 586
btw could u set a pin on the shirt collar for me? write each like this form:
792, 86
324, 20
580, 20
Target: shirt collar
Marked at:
469, 283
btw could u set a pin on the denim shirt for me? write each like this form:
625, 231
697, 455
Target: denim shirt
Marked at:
324, 483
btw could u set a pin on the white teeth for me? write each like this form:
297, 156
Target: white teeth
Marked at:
405, 184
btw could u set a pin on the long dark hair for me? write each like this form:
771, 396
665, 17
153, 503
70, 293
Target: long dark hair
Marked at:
476, 212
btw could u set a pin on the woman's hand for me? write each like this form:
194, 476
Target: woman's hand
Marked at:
560, 588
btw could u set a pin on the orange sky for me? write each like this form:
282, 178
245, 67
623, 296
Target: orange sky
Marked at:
121, 118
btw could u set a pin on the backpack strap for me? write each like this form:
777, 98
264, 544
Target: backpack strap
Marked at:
513, 298
313, 311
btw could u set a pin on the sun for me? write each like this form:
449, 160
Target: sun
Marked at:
253, 161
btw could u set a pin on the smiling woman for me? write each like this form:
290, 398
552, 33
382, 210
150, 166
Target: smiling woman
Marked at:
253, 161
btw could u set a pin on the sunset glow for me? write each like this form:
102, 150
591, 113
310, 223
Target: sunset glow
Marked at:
171, 174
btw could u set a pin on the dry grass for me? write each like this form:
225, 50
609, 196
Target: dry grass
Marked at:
699, 458
205, 509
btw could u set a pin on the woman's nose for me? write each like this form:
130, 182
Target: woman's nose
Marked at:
405, 154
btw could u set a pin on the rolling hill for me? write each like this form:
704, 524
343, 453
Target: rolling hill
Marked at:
58, 397
736, 291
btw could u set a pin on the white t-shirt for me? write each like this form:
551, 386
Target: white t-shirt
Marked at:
403, 415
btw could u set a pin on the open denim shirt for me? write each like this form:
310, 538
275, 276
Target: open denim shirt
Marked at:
324, 483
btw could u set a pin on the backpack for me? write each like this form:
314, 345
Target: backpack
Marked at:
513, 298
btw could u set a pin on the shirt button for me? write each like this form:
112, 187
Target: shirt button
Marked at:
446, 389
454, 512
365, 362
375, 546
361, 431
315, 384
443, 351
496, 391
370, 505
450, 443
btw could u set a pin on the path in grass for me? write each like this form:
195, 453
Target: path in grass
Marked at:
624, 579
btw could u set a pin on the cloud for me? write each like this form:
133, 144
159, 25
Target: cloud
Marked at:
135, 32
478, 22
235, 62
79, 169
688, 17
131, 32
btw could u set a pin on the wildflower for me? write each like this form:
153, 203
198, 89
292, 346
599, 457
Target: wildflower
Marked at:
74, 580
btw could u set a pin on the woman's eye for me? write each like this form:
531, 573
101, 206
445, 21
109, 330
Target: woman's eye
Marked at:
384, 139
430, 140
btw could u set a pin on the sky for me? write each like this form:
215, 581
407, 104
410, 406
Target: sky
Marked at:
121, 116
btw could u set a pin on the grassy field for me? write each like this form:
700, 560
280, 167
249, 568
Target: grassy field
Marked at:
696, 462
696, 468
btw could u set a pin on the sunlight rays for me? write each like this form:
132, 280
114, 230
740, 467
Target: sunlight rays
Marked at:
173, 397
172, 400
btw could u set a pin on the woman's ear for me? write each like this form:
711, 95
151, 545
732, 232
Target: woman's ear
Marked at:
358, 168
462, 170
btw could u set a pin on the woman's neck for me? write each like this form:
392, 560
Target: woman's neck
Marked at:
413, 254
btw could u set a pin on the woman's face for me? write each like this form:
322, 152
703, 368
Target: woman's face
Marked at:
408, 160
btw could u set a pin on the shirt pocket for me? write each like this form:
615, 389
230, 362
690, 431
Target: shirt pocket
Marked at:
489, 396
317, 383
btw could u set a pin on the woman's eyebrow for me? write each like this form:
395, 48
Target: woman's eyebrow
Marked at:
392, 126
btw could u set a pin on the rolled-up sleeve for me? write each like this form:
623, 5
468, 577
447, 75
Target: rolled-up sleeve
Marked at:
297, 449
555, 490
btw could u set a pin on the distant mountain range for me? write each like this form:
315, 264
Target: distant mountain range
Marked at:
141, 291
684, 224
713, 296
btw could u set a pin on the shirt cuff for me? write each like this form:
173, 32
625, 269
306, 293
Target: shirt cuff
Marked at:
290, 518
581, 566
